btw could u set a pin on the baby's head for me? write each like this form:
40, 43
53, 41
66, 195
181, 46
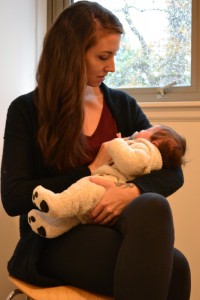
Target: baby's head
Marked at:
172, 145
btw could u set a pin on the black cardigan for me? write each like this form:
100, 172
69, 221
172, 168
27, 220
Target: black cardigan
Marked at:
23, 168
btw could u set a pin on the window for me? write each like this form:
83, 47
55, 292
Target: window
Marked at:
159, 49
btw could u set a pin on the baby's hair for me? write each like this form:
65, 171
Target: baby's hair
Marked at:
172, 146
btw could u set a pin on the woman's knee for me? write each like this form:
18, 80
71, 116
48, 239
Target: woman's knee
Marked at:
150, 206
180, 285
181, 262
148, 210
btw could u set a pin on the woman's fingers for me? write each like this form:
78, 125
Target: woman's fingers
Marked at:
100, 213
104, 212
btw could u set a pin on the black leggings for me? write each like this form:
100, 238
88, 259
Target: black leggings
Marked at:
134, 259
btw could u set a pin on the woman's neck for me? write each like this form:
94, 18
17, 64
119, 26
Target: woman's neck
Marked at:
93, 105
92, 94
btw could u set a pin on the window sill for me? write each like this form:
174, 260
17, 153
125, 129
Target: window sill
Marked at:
172, 111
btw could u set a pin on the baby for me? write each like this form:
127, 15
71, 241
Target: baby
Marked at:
147, 150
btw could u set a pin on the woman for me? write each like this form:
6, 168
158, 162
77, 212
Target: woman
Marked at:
56, 135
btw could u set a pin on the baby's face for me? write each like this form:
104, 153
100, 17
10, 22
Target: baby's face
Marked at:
146, 133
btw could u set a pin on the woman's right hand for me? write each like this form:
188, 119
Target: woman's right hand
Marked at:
102, 158
115, 198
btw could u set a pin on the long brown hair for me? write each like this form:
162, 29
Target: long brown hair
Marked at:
172, 146
61, 79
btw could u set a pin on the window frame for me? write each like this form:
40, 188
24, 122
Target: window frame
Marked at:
150, 97
179, 94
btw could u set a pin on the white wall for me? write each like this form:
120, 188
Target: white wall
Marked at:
186, 205
22, 25
185, 118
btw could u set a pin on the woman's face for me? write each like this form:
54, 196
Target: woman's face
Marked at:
100, 58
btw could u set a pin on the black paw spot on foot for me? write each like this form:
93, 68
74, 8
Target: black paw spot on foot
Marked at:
31, 219
44, 206
35, 195
41, 231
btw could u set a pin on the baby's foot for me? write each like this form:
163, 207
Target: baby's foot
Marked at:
46, 201
37, 223
48, 227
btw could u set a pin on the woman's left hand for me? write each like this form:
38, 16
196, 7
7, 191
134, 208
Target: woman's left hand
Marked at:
116, 197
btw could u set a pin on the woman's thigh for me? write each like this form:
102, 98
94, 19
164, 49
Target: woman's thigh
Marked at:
93, 257
84, 257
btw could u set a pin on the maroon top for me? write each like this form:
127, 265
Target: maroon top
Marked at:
105, 131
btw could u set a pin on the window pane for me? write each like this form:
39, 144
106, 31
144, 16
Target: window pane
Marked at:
156, 47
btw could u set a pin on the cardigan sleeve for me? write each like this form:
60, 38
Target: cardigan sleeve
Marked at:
164, 181
22, 166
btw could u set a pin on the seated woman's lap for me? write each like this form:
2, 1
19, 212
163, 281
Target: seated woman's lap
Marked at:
87, 255
84, 257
